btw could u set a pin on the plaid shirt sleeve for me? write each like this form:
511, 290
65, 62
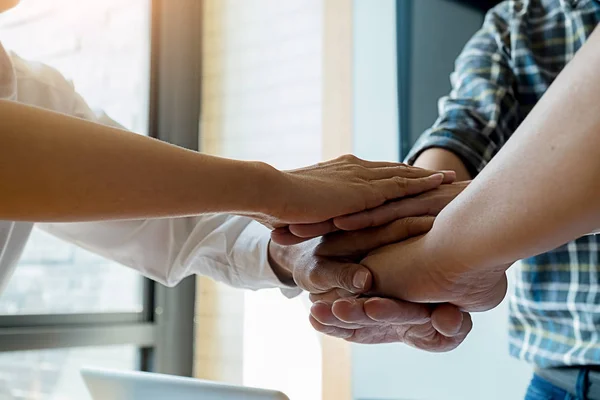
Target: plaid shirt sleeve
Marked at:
481, 112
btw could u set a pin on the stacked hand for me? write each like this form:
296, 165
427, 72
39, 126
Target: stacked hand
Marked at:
339, 187
329, 268
402, 262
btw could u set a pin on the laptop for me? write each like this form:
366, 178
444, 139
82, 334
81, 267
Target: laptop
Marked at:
132, 385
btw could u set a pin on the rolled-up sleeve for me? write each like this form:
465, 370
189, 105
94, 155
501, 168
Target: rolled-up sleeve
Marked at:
482, 111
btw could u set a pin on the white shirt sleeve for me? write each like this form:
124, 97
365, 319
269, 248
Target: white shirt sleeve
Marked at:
227, 248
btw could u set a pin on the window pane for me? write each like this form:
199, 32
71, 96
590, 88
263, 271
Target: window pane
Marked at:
103, 47
54, 277
54, 374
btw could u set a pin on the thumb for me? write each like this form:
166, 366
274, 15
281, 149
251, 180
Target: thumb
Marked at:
327, 275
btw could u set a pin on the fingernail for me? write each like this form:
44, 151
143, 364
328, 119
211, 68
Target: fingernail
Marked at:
449, 176
448, 172
345, 334
371, 301
360, 279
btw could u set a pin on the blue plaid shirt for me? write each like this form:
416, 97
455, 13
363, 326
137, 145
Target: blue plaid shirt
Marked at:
500, 75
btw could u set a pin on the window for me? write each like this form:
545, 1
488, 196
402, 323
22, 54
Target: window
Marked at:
262, 86
65, 307
54, 374
52, 274
103, 47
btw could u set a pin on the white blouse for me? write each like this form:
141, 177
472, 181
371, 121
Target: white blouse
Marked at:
226, 248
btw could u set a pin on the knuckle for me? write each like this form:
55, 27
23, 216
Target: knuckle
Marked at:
398, 226
344, 277
405, 168
402, 227
386, 213
314, 297
424, 224
345, 334
370, 221
417, 225
356, 169
322, 246
302, 277
348, 158
312, 274
401, 182
315, 277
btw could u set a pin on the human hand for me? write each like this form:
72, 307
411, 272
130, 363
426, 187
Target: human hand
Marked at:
332, 262
434, 288
427, 203
434, 328
343, 186
328, 268
420, 270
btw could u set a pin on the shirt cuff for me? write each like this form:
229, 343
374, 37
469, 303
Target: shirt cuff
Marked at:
474, 160
251, 260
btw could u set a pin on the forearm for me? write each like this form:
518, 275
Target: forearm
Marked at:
541, 190
58, 168
440, 159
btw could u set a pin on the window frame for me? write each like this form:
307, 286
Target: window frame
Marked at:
481, 5
164, 329
404, 17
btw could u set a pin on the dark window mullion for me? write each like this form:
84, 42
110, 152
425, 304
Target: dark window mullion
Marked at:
176, 50
32, 321
53, 337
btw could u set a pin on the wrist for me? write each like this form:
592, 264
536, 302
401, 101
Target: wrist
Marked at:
278, 257
264, 190
461, 246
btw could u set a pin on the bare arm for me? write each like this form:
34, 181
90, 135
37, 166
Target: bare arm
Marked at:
58, 168
542, 189
441, 159
55, 167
